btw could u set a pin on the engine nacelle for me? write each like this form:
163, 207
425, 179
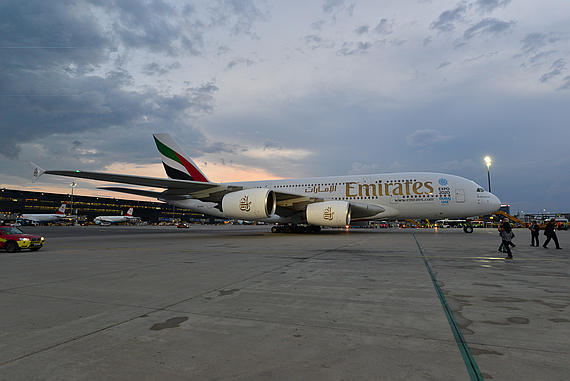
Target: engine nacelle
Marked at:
249, 204
329, 213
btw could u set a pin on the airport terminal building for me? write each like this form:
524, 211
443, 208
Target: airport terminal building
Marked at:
13, 202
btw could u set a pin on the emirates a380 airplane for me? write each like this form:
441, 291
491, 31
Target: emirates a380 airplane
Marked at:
320, 201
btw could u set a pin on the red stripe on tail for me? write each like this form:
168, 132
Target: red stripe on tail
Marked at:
196, 175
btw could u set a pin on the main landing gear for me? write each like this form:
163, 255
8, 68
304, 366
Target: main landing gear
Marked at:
468, 229
292, 228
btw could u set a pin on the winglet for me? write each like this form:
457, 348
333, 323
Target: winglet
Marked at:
38, 171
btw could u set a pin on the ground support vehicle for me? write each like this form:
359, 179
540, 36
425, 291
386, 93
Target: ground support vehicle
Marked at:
13, 239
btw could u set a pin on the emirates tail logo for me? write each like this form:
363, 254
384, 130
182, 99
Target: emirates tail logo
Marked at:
245, 204
328, 214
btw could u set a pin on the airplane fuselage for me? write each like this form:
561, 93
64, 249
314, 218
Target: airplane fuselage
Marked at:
402, 195
107, 220
42, 217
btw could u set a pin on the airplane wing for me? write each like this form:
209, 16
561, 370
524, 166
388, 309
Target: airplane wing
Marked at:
201, 190
135, 180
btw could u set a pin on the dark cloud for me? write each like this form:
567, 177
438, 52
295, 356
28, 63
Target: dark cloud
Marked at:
240, 15
384, 27
489, 6
426, 137
487, 26
317, 25
337, 7
540, 57
314, 41
481, 56
557, 68
363, 29
120, 76
536, 48
154, 68
149, 25
442, 65
48, 81
330, 5
36, 34
98, 104
240, 61
447, 19
353, 48
533, 42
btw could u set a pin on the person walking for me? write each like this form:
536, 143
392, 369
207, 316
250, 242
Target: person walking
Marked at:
507, 236
534, 230
550, 233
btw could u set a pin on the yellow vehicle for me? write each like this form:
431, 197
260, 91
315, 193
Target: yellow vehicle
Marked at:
13, 239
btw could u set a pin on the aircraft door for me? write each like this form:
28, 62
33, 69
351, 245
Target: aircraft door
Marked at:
459, 195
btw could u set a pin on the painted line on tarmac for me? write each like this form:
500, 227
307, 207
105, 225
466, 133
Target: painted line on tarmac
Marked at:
468, 358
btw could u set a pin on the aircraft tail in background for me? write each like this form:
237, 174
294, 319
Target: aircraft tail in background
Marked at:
61, 210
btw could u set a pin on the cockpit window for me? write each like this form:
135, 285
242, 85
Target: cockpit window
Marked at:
480, 189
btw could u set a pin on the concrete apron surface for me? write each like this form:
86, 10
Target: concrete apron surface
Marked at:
208, 303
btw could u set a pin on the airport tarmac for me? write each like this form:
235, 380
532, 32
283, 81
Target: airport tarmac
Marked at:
241, 303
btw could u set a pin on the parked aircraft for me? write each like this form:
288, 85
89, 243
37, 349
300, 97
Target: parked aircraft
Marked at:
321, 201
108, 220
46, 217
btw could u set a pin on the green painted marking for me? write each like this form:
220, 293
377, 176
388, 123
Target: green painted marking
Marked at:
468, 359
166, 151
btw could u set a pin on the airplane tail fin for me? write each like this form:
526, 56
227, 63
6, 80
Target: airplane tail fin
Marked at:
61, 210
129, 212
177, 165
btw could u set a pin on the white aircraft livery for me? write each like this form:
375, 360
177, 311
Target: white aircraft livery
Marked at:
46, 217
108, 220
320, 201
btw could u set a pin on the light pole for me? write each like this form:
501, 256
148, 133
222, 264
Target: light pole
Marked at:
488, 161
72, 185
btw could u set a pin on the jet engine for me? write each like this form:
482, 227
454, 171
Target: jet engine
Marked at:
249, 204
329, 213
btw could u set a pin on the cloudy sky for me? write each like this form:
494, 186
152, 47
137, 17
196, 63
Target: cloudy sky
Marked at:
279, 89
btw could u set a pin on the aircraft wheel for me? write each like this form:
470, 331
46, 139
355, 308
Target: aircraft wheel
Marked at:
11, 246
34, 249
315, 229
468, 229
274, 229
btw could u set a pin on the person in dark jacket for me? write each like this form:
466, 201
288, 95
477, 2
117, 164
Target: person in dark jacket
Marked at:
534, 230
507, 237
550, 233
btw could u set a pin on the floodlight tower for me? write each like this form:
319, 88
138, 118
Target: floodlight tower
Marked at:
72, 185
488, 161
